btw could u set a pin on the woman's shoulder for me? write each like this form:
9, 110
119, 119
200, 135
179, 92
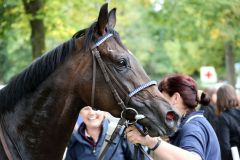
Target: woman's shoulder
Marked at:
228, 113
196, 123
229, 116
193, 126
194, 118
231, 112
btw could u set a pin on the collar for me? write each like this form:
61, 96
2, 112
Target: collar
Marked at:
188, 116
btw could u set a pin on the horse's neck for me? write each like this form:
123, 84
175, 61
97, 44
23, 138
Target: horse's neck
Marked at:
44, 122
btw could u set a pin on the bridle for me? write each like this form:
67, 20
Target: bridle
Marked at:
109, 77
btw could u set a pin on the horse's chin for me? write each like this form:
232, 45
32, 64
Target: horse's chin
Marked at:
154, 129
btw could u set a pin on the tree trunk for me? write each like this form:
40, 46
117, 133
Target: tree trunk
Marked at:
229, 61
32, 7
3, 60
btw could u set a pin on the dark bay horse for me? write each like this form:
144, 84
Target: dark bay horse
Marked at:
39, 106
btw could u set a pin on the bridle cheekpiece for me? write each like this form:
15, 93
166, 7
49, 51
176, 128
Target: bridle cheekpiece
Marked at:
107, 74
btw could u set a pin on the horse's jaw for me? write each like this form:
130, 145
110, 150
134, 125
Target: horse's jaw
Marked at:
159, 117
154, 129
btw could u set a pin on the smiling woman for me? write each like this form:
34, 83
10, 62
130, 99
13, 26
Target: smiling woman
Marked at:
93, 120
88, 140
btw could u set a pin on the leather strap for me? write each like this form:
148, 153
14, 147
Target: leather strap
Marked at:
108, 78
135, 152
116, 131
93, 81
139, 151
4, 144
156, 145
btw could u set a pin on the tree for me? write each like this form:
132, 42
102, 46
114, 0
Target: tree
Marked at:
196, 33
33, 9
180, 37
13, 34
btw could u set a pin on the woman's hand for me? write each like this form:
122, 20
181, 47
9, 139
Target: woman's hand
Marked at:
164, 150
135, 137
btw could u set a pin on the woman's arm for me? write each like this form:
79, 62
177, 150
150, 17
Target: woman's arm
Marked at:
165, 151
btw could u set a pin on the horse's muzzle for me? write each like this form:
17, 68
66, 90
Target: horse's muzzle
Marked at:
171, 119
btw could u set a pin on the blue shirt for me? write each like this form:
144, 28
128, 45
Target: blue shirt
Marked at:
195, 134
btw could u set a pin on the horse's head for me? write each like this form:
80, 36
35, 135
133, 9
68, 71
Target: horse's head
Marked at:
119, 81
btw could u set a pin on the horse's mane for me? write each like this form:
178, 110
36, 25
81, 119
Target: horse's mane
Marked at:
29, 79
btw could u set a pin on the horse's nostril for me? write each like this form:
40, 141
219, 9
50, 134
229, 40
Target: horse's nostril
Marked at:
171, 115
172, 120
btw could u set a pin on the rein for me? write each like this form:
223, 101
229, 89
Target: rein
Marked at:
108, 75
3, 134
4, 144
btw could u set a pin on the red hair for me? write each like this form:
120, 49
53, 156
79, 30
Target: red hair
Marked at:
186, 87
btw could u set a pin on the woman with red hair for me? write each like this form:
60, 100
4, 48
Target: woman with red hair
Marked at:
195, 138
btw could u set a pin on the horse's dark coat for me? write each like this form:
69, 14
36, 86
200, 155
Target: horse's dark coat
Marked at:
40, 105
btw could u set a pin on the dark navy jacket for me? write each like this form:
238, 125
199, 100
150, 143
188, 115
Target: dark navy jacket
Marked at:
195, 134
210, 115
229, 132
81, 149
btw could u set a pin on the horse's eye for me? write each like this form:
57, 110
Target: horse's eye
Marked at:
122, 63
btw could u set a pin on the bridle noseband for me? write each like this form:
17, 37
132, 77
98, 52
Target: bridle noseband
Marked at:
107, 74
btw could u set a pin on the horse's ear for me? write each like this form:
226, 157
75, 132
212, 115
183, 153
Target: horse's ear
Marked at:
112, 18
102, 19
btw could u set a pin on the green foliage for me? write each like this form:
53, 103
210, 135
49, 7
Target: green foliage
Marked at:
180, 37
193, 33
15, 50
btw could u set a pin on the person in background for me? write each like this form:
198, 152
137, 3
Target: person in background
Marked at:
210, 110
229, 118
195, 138
87, 141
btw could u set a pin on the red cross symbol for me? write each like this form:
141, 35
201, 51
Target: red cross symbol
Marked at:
208, 74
